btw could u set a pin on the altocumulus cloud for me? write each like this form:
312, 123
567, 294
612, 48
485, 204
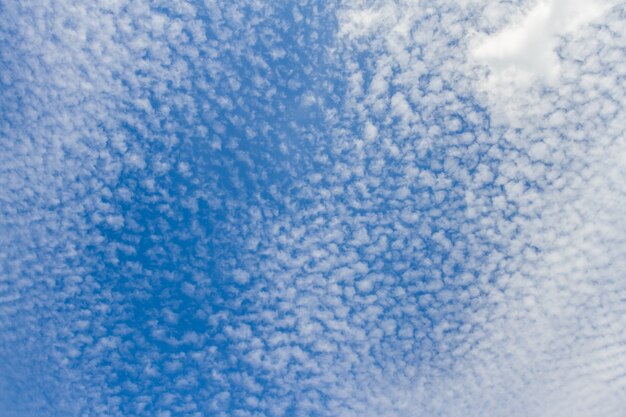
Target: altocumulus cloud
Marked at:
312, 208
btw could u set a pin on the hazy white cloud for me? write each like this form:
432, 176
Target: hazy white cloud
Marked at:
525, 49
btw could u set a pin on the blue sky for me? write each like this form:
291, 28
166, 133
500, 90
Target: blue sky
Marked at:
364, 208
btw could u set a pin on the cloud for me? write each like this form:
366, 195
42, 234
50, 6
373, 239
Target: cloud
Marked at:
258, 210
525, 50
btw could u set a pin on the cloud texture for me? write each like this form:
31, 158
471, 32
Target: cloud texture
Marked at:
312, 209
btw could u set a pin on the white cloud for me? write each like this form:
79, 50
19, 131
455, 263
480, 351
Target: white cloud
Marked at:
415, 252
526, 50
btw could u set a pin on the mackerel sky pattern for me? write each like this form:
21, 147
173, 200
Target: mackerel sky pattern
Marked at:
312, 208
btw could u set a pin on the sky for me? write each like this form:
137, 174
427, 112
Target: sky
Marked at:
304, 208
